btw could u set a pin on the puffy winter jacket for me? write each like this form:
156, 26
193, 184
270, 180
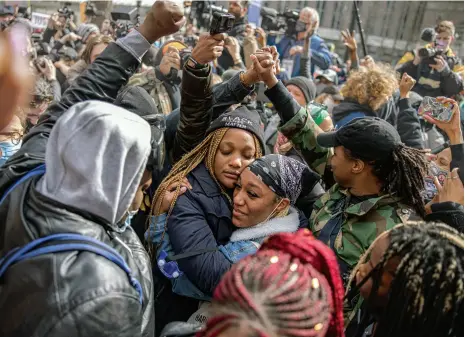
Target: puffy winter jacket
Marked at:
71, 293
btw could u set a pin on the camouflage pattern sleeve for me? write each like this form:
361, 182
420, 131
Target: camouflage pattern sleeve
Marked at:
142, 79
303, 130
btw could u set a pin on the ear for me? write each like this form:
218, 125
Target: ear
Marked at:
284, 203
358, 166
244, 10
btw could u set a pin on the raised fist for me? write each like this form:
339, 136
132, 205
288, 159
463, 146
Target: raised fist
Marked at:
164, 18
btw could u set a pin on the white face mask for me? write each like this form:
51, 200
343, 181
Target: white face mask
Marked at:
272, 212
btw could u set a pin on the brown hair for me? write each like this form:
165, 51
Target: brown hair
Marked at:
92, 43
445, 26
371, 86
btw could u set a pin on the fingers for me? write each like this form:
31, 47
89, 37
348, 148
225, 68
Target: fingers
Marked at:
437, 184
454, 174
256, 63
172, 49
430, 119
221, 37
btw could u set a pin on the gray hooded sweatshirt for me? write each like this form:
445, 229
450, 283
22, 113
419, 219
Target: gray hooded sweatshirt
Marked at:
95, 157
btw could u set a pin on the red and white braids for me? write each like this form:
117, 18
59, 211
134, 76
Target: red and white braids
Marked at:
290, 287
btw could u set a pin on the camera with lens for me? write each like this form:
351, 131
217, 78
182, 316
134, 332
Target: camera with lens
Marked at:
284, 22
203, 12
269, 19
428, 54
123, 21
91, 10
65, 11
221, 23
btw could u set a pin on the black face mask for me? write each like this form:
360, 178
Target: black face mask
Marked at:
300, 26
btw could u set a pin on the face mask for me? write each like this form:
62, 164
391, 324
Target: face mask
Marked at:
272, 212
300, 26
440, 44
127, 221
7, 149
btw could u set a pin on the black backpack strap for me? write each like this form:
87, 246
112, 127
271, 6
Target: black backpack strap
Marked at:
190, 254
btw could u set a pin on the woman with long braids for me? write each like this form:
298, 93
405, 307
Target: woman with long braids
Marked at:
199, 219
411, 279
264, 201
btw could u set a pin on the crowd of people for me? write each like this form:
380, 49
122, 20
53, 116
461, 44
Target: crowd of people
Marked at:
171, 182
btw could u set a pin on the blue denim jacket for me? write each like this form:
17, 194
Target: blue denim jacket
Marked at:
244, 242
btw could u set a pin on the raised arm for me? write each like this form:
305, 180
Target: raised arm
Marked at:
101, 81
297, 122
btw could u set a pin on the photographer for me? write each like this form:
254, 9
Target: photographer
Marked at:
435, 66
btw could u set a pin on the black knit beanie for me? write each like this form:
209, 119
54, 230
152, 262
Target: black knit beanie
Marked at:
306, 85
241, 118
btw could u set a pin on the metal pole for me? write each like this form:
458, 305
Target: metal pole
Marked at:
360, 29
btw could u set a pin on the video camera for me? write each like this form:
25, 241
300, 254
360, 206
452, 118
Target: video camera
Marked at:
123, 21
203, 12
274, 21
427, 55
65, 11
221, 23
91, 10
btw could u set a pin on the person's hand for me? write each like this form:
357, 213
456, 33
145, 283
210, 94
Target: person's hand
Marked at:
261, 36
249, 31
48, 70
164, 18
440, 65
234, 48
265, 70
170, 193
349, 40
296, 50
171, 59
406, 84
451, 128
70, 37
367, 62
208, 48
452, 190
52, 20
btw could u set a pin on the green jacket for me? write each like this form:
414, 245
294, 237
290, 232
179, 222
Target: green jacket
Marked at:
363, 221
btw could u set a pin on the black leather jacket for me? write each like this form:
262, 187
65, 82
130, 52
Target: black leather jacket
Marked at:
70, 293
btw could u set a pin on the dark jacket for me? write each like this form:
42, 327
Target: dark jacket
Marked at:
70, 293
431, 82
397, 112
201, 219
186, 127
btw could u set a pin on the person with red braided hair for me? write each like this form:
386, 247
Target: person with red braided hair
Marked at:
290, 287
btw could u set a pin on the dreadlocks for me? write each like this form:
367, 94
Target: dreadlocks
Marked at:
426, 294
205, 151
290, 287
403, 175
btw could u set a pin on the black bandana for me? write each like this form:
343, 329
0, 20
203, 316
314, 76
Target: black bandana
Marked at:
285, 176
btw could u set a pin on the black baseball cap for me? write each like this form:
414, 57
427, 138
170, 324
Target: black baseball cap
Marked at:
368, 138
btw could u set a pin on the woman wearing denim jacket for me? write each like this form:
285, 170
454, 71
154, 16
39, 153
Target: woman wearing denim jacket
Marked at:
263, 202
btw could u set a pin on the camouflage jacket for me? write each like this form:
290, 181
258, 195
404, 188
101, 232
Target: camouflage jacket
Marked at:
362, 222
149, 81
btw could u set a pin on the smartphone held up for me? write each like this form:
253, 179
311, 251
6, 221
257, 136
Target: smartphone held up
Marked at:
441, 111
